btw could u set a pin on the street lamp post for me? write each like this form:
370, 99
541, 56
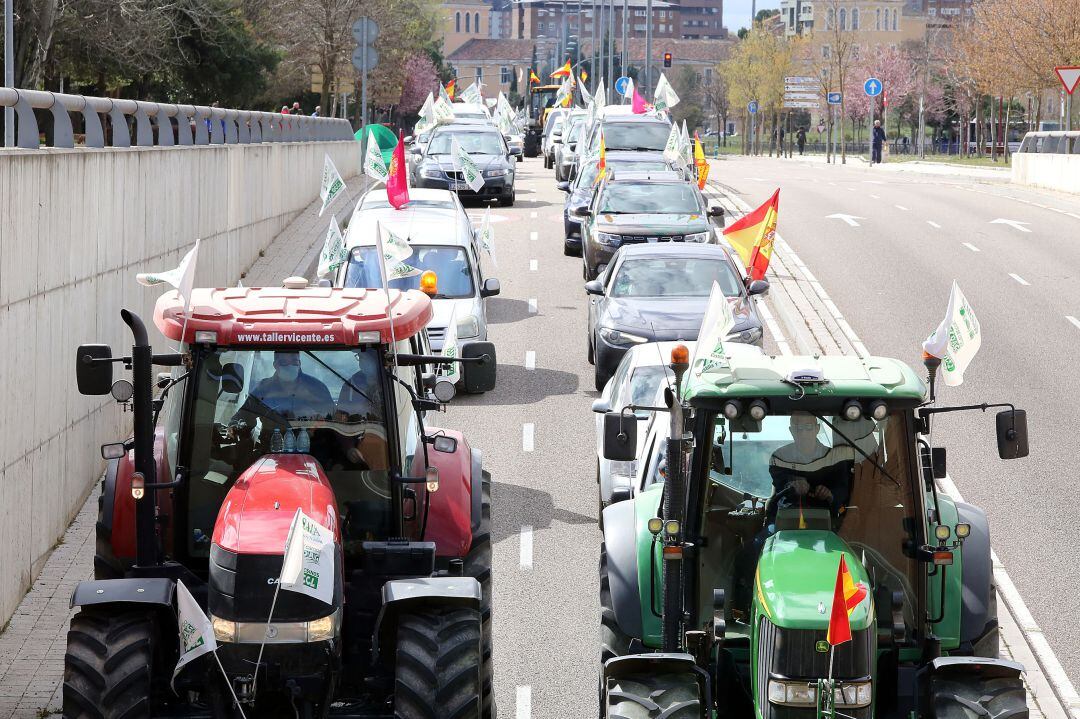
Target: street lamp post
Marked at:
648, 48
592, 49
9, 73
625, 26
611, 39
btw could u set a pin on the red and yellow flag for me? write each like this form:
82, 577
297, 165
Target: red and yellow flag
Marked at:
584, 76
532, 77
397, 184
562, 71
846, 596
752, 236
450, 88
601, 166
700, 162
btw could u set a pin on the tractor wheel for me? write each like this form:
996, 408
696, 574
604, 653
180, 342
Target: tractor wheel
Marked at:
109, 664
614, 642
437, 673
997, 698
106, 564
478, 566
646, 696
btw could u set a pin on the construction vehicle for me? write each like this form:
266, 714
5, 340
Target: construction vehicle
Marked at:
278, 400
541, 102
717, 581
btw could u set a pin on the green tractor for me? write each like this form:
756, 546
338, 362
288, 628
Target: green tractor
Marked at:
718, 577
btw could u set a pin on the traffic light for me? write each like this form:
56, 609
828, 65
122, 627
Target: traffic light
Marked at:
667, 59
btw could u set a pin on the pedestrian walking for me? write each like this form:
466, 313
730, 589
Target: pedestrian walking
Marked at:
800, 139
296, 109
318, 111
878, 141
284, 109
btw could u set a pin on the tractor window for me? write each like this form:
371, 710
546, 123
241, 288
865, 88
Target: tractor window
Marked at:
325, 403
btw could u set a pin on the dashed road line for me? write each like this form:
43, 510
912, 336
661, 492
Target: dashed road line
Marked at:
1075, 321
534, 235
1019, 279
532, 305
971, 247
528, 438
526, 542
876, 197
524, 702
901, 207
933, 224
530, 359
533, 265
532, 215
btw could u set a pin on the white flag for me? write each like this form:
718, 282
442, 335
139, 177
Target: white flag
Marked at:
687, 148
443, 111
506, 126
585, 96
182, 278
600, 96
374, 165
673, 152
308, 567
444, 95
472, 94
464, 164
487, 237
426, 120
332, 184
394, 251
452, 370
196, 631
715, 327
333, 253
564, 91
628, 91
957, 338
664, 98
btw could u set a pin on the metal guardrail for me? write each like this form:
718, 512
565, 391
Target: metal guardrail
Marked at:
168, 124
1054, 143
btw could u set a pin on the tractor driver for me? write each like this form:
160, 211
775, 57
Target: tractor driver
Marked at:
287, 394
807, 472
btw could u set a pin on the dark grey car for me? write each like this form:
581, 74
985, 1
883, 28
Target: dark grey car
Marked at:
656, 294
435, 169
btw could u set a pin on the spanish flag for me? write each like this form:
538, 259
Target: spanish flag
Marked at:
752, 236
562, 71
450, 88
846, 596
532, 77
584, 76
601, 166
700, 163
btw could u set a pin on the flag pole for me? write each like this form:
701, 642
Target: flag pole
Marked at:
273, 603
232, 691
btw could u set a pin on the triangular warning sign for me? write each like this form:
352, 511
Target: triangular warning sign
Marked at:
1070, 76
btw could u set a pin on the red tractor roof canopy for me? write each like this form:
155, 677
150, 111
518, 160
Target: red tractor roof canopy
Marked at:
279, 315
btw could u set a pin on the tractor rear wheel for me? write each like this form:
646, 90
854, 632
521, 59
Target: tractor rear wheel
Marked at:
647, 696
478, 566
109, 664
438, 667
614, 642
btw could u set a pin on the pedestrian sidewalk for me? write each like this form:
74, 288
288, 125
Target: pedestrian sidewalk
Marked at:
33, 642
921, 167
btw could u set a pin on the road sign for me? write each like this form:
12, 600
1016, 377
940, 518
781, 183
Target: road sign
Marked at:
834, 98
801, 104
1069, 76
800, 80
751, 107
365, 31
820, 129
620, 85
872, 87
801, 96
358, 58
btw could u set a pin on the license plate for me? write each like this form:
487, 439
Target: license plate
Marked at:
456, 185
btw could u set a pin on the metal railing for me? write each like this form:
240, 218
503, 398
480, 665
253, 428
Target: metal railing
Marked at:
1054, 143
145, 124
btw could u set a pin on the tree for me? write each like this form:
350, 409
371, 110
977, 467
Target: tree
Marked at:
755, 72
831, 57
687, 84
420, 79
718, 101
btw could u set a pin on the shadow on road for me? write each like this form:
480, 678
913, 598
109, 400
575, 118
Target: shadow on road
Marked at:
513, 506
516, 385
504, 310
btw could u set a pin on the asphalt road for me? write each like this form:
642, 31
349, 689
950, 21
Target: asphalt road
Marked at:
890, 276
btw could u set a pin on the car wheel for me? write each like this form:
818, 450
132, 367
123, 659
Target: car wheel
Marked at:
600, 378
569, 249
591, 361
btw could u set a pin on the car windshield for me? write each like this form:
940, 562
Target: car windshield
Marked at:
641, 389
326, 404
470, 115
474, 143
588, 173
641, 136
676, 198
449, 263
575, 132
380, 202
673, 277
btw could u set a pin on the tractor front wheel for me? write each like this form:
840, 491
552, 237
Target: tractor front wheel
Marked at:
109, 664
614, 642
645, 696
438, 667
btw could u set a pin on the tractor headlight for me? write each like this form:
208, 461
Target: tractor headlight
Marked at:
224, 630
316, 630
849, 695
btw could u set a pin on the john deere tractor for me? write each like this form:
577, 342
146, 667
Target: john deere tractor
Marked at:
717, 580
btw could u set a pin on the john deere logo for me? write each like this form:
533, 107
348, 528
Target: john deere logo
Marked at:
822, 646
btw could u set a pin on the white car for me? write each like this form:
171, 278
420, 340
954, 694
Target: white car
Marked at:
443, 240
470, 111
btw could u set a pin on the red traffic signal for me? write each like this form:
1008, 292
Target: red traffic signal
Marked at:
667, 59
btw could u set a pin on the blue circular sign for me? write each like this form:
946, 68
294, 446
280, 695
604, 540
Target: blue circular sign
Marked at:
620, 84
872, 87
751, 107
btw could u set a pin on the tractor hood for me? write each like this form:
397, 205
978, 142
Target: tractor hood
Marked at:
796, 577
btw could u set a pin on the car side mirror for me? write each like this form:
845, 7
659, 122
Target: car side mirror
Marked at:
716, 211
408, 139
94, 369
758, 287
594, 287
478, 376
620, 436
582, 211
1012, 434
601, 406
491, 287
515, 152
416, 150
564, 186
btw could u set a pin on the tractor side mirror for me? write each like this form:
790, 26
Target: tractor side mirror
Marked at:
937, 462
758, 287
1012, 434
478, 376
620, 436
93, 369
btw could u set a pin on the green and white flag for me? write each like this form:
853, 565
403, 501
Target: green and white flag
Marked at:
196, 631
717, 323
673, 152
308, 567
450, 349
504, 122
502, 105
472, 94
374, 165
486, 237
464, 164
426, 121
443, 111
600, 96
333, 253
957, 338
332, 184
664, 98
394, 251
181, 278
585, 96
444, 95
687, 147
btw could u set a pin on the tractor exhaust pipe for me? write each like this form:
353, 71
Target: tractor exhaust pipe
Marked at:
142, 362
674, 509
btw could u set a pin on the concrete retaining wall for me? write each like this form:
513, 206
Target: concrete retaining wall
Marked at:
75, 228
1047, 170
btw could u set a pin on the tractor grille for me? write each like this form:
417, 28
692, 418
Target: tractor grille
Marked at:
242, 587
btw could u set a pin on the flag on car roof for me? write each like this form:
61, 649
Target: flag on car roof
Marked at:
563, 71
374, 165
700, 162
182, 278
532, 77
584, 76
665, 97
846, 596
332, 184
957, 338
450, 88
601, 167
752, 236
397, 184
638, 106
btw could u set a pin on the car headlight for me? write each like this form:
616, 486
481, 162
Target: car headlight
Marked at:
852, 695
606, 238
468, 326
432, 173
496, 173
618, 338
749, 337
697, 237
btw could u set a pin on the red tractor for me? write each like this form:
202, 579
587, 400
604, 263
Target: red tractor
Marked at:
278, 400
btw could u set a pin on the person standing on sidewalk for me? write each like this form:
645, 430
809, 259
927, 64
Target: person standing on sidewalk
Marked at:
800, 139
878, 140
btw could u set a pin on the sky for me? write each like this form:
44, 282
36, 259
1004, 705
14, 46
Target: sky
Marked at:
737, 12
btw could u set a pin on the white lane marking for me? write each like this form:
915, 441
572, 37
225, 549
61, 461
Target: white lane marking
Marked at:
971, 247
876, 197
1019, 279
530, 359
532, 305
524, 702
533, 265
526, 542
1073, 215
1015, 224
534, 235
900, 207
1075, 321
849, 219
528, 431
874, 182
933, 224
774, 327
532, 215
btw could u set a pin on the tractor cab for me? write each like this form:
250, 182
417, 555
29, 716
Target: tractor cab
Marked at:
541, 101
282, 403
727, 562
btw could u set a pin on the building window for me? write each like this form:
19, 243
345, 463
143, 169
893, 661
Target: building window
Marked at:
855, 18
829, 20
842, 15
825, 51
468, 23
708, 75
476, 22
457, 22
877, 18
894, 20
504, 75
854, 52
479, 74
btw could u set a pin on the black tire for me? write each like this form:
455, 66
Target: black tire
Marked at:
600, 378
508, 201
998, 698
438, 664
614, 642
109, 664
478, 566
592, 358
106, 563
646, 696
